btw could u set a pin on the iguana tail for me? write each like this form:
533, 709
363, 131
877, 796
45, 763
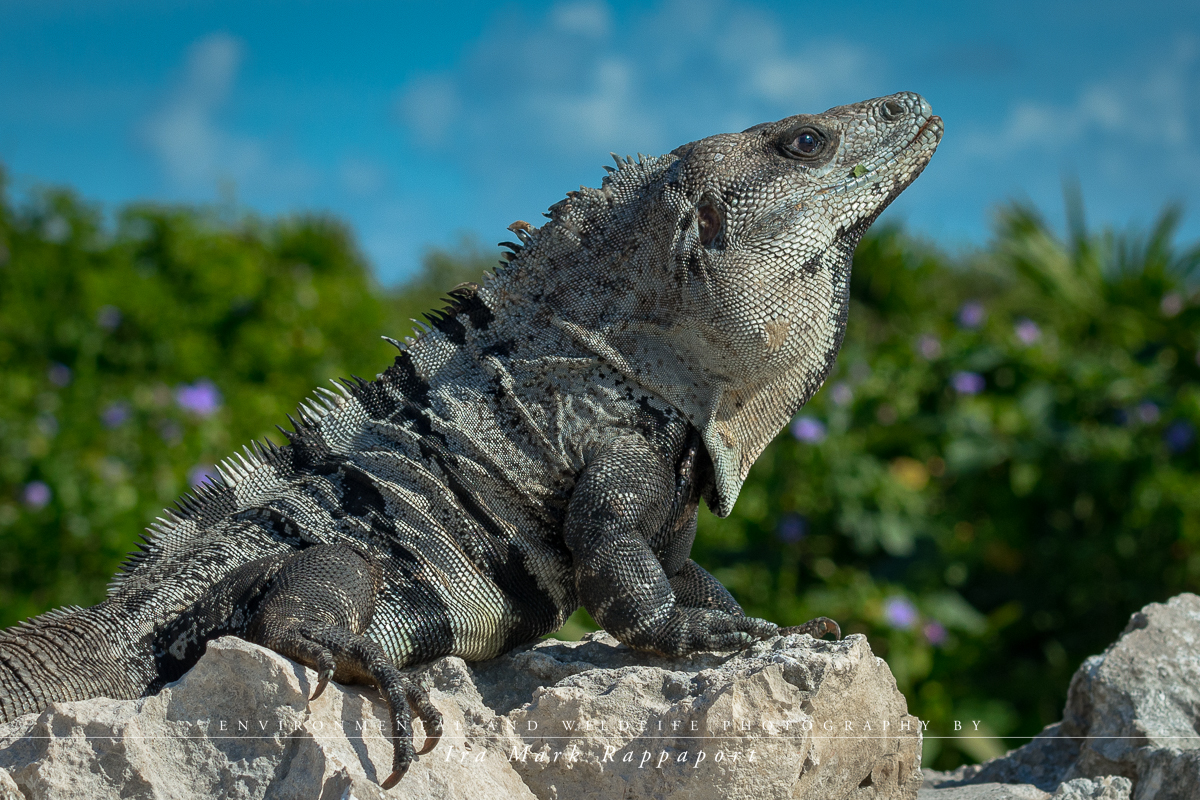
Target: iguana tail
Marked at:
72, 654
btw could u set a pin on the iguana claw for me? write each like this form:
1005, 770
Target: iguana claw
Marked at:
322, 681
394, 778
430, 743
816, 628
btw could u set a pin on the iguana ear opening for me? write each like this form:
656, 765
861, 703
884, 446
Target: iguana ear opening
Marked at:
710, 221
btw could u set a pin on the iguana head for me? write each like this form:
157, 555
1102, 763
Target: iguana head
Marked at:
718, 275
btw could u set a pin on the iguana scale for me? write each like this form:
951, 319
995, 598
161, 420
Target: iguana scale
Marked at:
544, 443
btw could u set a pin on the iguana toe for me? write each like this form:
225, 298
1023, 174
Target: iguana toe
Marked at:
394, 778
324, 676
417, 692
816, 628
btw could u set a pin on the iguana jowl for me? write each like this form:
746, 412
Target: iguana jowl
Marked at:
544, 444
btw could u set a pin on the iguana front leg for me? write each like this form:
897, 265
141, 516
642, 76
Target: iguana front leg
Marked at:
697, 588
694, 586
622, 498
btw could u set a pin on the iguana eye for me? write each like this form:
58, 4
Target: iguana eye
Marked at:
807, 143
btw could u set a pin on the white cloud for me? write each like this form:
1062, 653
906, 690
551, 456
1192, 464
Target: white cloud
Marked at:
585, 18
603, 110
567, 86
1128, 114
820, 71
1097, 107
361, 177
184, 135
192, 147
430, 105
791, 76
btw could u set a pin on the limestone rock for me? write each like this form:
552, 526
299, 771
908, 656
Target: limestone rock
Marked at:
790, 717
1130, 726
985, 791
237, 725
8, 787
1107, 788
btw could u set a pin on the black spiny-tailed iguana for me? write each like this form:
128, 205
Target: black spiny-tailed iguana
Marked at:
544, 444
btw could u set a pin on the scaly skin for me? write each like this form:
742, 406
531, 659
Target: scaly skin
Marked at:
545, 444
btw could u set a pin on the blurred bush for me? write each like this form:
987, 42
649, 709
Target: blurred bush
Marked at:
133, 359
1002, 468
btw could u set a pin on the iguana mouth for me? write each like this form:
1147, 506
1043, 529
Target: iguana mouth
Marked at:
928, 148
934, 121
916, 141
923, 128
859, 228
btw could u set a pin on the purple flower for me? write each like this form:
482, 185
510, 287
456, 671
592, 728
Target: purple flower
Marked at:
1147, 412
108, 317
1179, 436
36, 495
972, 314
792, 528
934, 632
59, 374
967, 382
1027, 331
203, 473
809, 430
843, 395
899, 612
115, 415
929, 347
201, 398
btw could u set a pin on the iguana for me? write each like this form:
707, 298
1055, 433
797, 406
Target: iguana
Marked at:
544, 442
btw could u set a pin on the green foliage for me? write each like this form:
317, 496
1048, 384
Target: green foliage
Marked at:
1002, 468
130, 360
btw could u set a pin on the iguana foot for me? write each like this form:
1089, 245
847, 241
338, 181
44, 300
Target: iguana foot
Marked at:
354, 658
416, 695
315, 611
816, 628
692, 630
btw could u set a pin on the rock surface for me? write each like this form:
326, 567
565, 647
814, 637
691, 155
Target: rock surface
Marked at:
1130, 729
790, 717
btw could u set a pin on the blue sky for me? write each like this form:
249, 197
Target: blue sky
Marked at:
421, 123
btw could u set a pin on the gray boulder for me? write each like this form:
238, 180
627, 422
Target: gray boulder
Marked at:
1129, 730
1107, 788
791, 717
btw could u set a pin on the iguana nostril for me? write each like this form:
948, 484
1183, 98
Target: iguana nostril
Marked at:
892, 110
